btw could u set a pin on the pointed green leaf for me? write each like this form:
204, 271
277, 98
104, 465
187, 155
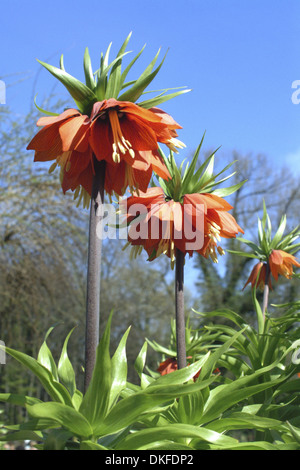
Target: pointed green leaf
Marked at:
241, 420
88, 71
65, 369
278, 235
90, 445
151, 103
141, 359
119, 370
55, 390
129, 409
174, 432
45, 356
142, 82
242, 253
82, 95
101, 89
96, 400
224, 192
61, 63
182, 375
191, 169
18, 400
114, 83
212, 361
64, 416
128, 68
264, 218
225, 396
49, 113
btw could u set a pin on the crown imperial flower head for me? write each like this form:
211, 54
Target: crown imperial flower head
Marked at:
107, 125
185, 213
275, 254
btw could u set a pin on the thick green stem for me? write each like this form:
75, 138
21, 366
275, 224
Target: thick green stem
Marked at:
94, 271
179, 307
266, 291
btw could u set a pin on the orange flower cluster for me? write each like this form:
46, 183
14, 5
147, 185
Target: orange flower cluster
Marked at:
122, 133
280, 263
195, 224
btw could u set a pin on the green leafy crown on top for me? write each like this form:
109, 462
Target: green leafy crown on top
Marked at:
109, 81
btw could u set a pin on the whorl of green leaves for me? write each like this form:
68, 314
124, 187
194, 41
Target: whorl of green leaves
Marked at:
190, 180
266, 243
109, 81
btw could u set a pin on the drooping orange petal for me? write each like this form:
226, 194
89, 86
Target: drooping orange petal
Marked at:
140, 135
287, 257
196, 199
166, 118
73, 132
142, 177
275, 261
254, 274
282, 263
47, 139
227, 223
136, 111
50, 120
216, 202
100, 140
115, 176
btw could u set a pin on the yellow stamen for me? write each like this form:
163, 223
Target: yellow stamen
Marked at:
63, 159
211, 252
83, 196
120, 144
76, 192
172, 251
214, 232
173, 144
163, 247
52, 167
135, 250
221, 251
125, 246
130, 180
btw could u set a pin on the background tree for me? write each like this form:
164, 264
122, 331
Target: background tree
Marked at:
43, 255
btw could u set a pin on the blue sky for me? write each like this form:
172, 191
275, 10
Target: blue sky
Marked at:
239, 57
